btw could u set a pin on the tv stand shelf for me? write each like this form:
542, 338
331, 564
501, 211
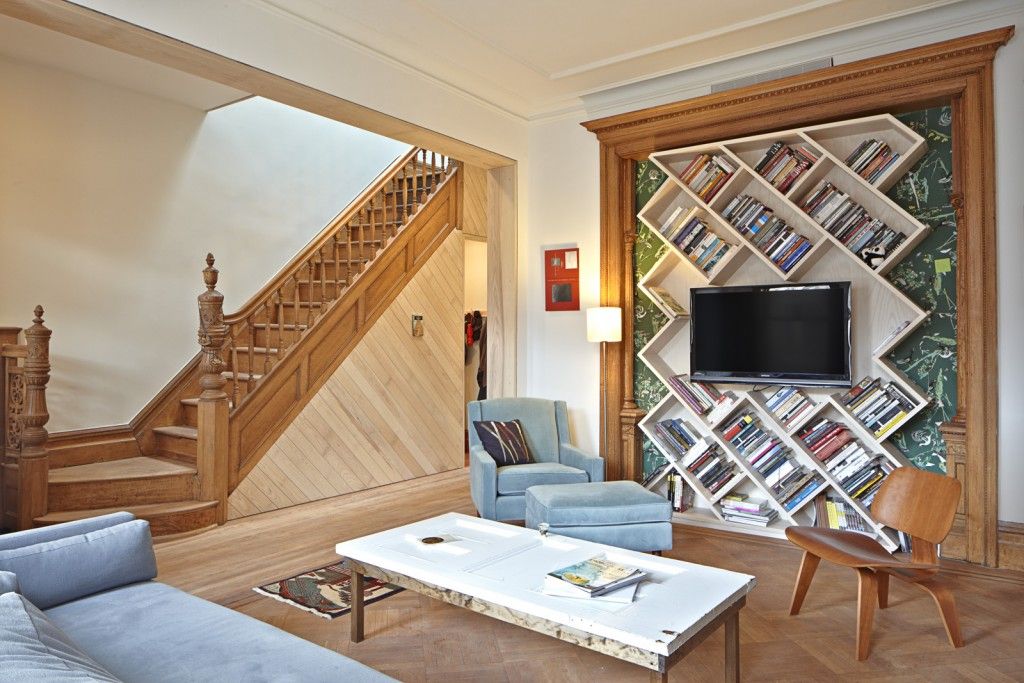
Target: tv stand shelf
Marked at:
882, 315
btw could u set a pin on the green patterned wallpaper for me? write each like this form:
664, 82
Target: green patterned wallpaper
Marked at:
927, 276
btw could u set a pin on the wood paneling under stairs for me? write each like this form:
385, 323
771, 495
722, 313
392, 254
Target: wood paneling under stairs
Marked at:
474, 202
391, 412
414, 638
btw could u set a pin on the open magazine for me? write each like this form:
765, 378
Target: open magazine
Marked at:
594, 577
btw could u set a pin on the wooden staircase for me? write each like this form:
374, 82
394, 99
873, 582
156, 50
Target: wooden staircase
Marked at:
257, 368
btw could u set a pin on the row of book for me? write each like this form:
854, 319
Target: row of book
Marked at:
695, 240
790, 482
772, 236
676, 436
830, 513
679, 494
710, 466
742, 509
850, 223
857, 471
871, 159
789, 405
707, 174
879, 407
667, 301
781, 165
701, 398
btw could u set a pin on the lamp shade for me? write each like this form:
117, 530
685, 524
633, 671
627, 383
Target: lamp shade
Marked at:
604, 324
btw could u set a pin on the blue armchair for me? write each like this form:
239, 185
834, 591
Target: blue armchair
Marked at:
499, 492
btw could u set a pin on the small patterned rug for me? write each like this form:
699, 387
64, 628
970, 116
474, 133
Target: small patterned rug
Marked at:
325, 591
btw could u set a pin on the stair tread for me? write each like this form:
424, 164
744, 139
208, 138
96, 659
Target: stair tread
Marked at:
240, 375
260, 350
304, 304
287, 326
128, 468
182, 431
194, 401
147, 510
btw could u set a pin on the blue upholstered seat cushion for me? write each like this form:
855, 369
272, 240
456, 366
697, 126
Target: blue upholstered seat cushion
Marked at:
155, 633
34, 650
515, 479
8, 582
596, 504
504, 441
64, 569
43, 534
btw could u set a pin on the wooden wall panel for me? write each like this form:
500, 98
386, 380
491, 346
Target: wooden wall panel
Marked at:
474, 202
391, 412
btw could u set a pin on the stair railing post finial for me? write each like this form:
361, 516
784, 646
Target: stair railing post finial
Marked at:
27, 459
212, 423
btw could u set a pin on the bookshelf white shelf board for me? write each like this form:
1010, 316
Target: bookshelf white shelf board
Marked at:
879, 307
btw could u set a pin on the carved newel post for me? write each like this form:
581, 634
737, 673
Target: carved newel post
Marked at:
33, 462
212, 446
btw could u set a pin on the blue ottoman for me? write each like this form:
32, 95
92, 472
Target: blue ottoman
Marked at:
619, 513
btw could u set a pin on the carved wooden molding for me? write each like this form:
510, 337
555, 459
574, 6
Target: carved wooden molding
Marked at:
958, 72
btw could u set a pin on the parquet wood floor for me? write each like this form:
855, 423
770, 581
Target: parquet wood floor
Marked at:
417, 639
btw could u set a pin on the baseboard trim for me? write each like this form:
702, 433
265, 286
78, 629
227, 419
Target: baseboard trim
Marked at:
1011, 545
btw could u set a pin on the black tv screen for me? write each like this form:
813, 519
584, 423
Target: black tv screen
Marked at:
771, 334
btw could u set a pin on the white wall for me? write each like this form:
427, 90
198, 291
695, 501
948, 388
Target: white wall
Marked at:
109, 201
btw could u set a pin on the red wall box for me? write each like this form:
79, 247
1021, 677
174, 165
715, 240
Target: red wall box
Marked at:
562, 279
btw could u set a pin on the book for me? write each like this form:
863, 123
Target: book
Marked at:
667, 300
558, 588
597, 576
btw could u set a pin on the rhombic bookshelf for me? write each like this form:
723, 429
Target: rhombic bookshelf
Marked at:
796, 206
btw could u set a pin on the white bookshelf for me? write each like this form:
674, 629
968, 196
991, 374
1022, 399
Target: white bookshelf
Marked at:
878, 306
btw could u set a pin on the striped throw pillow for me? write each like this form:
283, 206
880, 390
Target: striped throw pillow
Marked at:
504, 441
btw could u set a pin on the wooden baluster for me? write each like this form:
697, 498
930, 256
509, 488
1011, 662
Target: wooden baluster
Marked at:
337, 256
249, 322
362, 235
433, 172
212, 424
266, 339
26, 461
279, 303
348, 267
234, 372
323, 279
405, 194
393, 228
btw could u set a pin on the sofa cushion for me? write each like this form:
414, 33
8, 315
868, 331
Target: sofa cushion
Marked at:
517, 478
536, 415
65, 569
8, 582
596, 504
34, 650
504, 441
43, 534
154, 633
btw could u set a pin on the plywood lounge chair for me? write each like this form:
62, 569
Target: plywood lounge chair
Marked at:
916, 502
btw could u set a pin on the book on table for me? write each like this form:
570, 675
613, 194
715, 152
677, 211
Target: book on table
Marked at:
596, 576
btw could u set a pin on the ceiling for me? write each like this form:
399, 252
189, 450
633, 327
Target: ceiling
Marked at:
24, 42
537, 57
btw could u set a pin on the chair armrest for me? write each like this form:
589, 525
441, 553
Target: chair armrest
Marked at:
45, 534
483, 482
574, 457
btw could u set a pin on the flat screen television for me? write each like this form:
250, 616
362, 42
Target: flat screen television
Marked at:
771, 334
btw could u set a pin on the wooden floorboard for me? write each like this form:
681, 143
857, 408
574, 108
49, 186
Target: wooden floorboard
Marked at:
417, 639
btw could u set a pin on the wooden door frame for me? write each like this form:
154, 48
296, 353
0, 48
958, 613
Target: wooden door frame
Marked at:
956, 71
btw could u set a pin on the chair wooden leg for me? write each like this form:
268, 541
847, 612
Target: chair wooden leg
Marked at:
883, 589
947, 609
808, 565
867, 594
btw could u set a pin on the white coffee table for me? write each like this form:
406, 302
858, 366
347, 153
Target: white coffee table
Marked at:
497, 569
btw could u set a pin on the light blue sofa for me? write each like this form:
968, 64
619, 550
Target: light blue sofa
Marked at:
499, 492
92, 579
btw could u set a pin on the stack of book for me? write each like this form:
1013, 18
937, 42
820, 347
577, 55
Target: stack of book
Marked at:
706, 174
675, 436
679, 494
850, 223
667, 301
711, 467
592, 578
858, 472
783, 245
871, 159
781, 165
739, 508
789, 481
789, 405
878, 407
695, 240
830, 513
700, 397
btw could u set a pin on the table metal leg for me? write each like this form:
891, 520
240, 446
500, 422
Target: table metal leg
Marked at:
356, 615
732, 648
